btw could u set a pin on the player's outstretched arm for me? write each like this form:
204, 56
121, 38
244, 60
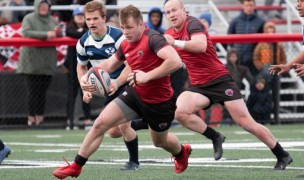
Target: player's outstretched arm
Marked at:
285, 68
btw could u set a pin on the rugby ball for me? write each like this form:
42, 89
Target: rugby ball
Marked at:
101, 81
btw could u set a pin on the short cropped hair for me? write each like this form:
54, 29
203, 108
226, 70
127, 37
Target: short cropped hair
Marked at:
95, 5
130, 11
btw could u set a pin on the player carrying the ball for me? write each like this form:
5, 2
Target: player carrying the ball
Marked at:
95, 46
149, 95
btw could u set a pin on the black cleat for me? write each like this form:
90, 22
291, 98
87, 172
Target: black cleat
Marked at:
130, 166
218, 146
283, 162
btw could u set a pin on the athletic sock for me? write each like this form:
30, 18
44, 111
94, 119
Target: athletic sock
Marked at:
278, 151
132, 147
1, 145
80, 160
139, 124
180, 153
210, 133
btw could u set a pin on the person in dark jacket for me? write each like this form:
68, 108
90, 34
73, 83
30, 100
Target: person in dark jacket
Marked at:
238, 71
155, 20
259, 102
38, 64
247, 22
75, 29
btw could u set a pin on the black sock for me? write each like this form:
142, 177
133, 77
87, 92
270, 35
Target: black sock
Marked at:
210, 133
278, 151
132, 147
139, 124
1, 145
80, 160
180, 153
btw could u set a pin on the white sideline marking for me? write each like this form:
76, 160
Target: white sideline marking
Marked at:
241, 132
194, 162
48, 136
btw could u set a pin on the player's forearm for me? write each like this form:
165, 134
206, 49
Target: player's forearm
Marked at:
122, 78
195, 46
166, 68
81, 70
110, 64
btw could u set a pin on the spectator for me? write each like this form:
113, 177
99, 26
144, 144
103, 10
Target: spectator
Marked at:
64, 15
38, 64
270, 3
206, 19
266, 54
9, 17
155, 19
238, 73
259, 102
75, 29
247, 22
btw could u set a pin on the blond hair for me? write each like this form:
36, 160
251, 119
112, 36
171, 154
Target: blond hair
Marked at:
95, 6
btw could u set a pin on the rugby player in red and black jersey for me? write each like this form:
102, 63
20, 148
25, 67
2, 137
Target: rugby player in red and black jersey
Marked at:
210, 82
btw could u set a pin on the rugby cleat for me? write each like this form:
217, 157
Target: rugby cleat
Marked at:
72, 170
129, 166
181, 163
283, 162
218, 146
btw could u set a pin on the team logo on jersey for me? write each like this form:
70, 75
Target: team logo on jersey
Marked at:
90, 53
163, 125
229, 92
140, 53
124, 93
127, 55
110, 51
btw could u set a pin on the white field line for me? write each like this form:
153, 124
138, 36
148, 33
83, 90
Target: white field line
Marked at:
201, 162
194, 162
242, 145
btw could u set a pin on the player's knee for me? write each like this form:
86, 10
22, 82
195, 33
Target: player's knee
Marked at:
158, 144
100, 127
114, 133
246, 123
181, 116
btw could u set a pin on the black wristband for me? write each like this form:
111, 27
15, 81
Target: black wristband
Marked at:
134, 79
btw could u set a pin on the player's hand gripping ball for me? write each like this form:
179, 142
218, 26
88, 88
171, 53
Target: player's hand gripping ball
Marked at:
101, 81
